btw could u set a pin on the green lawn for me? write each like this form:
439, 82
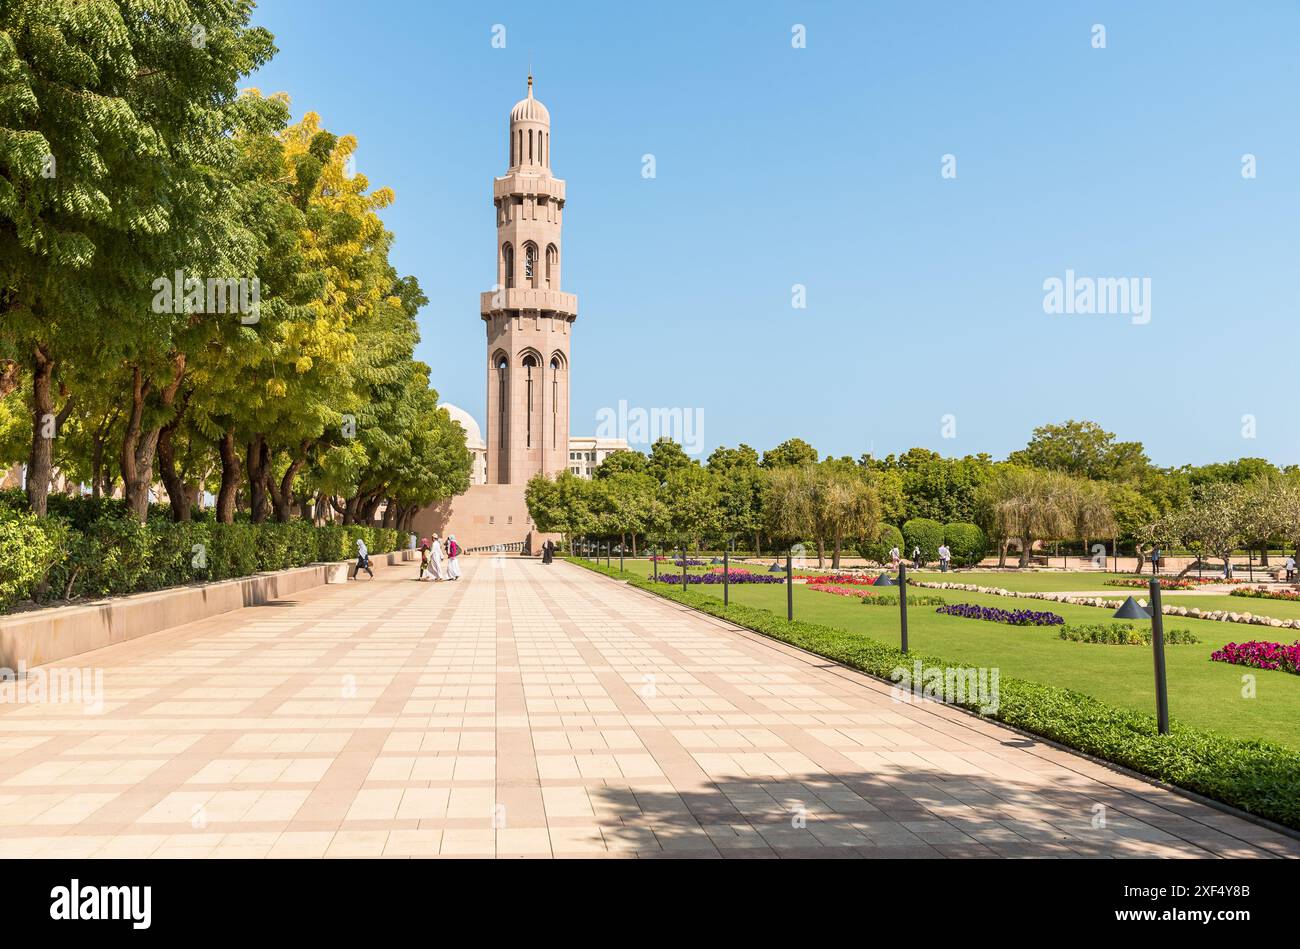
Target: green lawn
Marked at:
1201, 693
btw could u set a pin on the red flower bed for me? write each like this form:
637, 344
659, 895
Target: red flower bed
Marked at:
839, 589
842, 579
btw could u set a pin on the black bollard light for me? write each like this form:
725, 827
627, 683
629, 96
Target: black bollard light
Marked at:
1131, 609
683, 568
789, 588
654, 559
902, 602
726, 580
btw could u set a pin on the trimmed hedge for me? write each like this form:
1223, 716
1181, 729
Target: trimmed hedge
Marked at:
887, 537
924, 533
49, 559
1122, 634
1257, 776
967, 543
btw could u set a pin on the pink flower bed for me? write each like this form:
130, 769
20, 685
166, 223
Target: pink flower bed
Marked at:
839, 589
842, 579
1261, 655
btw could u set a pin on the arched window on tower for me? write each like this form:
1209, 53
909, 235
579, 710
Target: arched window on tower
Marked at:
503, 374
529, 365
508, 265
555, 398
530, 146
552, 265
530, 264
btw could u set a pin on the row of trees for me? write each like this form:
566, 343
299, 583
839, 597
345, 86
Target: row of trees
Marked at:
1224, 517
1073, 484
194, 290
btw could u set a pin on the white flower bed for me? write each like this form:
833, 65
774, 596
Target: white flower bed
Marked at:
1219, 616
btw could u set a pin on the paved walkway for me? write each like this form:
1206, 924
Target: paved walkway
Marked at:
541, 711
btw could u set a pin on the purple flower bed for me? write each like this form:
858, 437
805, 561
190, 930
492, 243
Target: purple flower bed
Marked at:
677, 561
734, 576
995, 615
1261, 655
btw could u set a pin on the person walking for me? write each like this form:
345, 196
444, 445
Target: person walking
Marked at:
916, 557
435, 558
363, 560
945, 555
1290, 568
548, 551
453, 558
895, 555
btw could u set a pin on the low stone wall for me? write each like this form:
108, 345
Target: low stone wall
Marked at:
47, 635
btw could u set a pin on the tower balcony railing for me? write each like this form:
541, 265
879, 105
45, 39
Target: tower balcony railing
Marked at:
526, 298
524, 182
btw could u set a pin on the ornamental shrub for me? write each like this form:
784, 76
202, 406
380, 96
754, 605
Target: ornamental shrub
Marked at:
967, 543
924, 533
1122, 634
29, 548
887, 536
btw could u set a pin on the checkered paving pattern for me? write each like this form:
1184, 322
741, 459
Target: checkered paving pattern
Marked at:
541, 711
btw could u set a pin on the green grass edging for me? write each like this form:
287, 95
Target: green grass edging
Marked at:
1257, 776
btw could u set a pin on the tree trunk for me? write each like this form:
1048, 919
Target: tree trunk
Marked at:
176, 493
257, 463
282, 495
1002, 553
230, 478
40, 462
1263, 555
139, 444
1026, 545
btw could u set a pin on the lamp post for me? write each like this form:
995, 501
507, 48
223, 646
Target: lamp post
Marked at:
683, 566
654, 559
1131, 609
620, 558
726, 579
789, 588
902, 602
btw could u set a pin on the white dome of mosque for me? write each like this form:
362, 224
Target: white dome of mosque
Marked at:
473, 437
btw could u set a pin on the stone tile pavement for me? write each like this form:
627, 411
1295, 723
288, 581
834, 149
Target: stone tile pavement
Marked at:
541, 711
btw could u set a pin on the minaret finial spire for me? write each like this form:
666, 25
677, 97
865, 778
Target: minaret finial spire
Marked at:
530, 77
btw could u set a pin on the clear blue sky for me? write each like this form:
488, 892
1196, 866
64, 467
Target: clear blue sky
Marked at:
821, 166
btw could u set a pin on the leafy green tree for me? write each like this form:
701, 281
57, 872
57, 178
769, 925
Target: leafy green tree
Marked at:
1083, 449
666, 456
792, 453
624, 461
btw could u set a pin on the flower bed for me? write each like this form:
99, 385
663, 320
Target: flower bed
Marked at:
994, 614
1263, 594
677, 561
1122, 634
839, 589
1260, 655
913, 599
1191, 612
842, 579
732, 576
1172, 583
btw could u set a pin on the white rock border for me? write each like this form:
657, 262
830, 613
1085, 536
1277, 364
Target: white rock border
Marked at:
1218, 616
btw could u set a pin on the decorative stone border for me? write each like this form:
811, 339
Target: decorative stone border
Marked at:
40, 636
1192, 612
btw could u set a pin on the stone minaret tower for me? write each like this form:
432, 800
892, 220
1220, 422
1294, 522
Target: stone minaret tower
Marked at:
528, 318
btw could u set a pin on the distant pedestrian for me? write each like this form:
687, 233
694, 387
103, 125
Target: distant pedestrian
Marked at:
548, 551
363, 560
1155, 561
435, 558
895, 555
916, 557
1290, 568
453, 558
945, 555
